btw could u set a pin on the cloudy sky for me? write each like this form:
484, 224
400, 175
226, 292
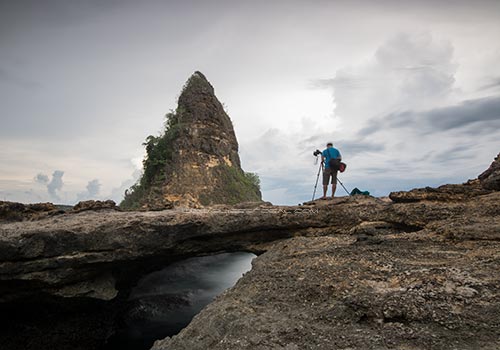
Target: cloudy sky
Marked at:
408, 91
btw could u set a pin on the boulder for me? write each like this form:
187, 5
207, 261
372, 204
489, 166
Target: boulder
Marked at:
94, 205
13, 211
490, 178
445, 193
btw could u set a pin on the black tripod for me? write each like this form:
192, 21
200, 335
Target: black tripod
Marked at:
317, 178
345, 189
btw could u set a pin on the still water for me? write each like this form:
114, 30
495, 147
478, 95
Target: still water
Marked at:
165, 301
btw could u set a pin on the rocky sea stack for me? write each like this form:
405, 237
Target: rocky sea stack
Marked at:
195, 161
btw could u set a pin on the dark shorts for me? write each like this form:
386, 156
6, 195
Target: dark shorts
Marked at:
327, 173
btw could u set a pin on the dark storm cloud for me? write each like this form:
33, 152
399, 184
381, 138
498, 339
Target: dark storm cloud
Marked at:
492, 84
480, 116
351, 147
400, 166
26, 13
78, 51
450, 154
358, 147
372, 126
485, 110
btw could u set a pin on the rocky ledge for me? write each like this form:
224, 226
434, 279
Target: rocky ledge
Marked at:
490, 178
350, 273
94, 253
419, 272
415, 290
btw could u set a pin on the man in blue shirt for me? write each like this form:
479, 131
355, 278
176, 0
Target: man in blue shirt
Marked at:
330, 153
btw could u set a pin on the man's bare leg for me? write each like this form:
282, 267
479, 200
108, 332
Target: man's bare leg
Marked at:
325, 189
334, 187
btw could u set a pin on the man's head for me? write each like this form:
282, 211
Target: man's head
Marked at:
329, 144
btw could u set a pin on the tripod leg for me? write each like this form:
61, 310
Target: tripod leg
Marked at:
345, 189
317, 178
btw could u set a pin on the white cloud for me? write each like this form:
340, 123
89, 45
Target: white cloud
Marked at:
405, 98
118, 193
406, 72
394, 116
92, 191
55, 185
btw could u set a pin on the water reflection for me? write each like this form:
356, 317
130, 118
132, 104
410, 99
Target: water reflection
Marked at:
165, 301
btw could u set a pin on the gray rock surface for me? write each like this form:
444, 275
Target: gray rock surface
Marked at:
94, 205
490, 179
87, 253
13, 211
445, 193
425, 277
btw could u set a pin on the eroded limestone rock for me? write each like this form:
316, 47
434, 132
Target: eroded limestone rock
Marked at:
490, 178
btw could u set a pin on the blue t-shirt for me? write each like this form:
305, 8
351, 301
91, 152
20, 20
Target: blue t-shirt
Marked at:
330, 153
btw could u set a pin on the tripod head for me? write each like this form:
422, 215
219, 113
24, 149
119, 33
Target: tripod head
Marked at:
316, 154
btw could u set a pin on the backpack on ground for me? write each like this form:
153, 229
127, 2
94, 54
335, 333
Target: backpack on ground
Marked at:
358, 191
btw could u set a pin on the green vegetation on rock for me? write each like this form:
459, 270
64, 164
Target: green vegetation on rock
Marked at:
194, 161
159, 151
234, 186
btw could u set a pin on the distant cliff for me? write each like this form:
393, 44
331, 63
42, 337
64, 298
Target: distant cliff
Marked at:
195, 161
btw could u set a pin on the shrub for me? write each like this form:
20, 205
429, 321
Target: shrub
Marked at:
159, 154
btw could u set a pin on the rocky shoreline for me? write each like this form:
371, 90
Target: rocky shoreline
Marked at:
423, 274
372, 287
417, 271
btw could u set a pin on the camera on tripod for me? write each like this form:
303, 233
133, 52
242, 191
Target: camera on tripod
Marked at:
316, 153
